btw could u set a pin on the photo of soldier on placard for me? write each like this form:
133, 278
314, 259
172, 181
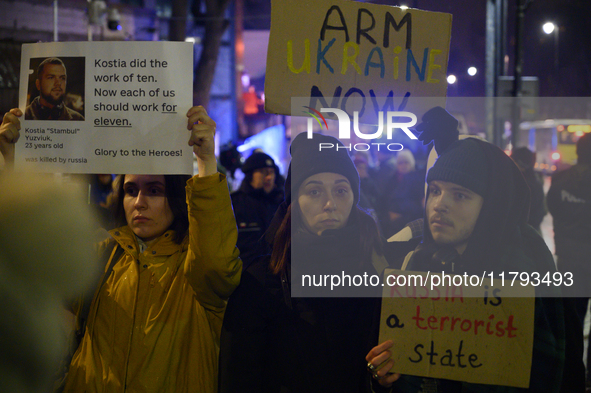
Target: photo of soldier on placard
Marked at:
56, 89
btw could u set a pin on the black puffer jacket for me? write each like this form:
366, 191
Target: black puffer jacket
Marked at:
275, 343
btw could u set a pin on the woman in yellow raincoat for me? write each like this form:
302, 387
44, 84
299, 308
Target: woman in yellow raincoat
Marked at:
154, 325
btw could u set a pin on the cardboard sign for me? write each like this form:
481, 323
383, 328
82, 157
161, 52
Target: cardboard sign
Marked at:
341, 49
115, 107
479, 333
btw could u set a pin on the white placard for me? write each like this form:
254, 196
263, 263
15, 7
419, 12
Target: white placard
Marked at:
130, 101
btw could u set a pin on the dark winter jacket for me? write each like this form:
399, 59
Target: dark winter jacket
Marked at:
569, 202
273, 342
537, 209
254, 210
558, 347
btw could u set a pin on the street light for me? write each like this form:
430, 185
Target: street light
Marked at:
550, 28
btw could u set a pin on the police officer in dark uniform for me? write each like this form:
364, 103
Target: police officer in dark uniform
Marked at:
255, 203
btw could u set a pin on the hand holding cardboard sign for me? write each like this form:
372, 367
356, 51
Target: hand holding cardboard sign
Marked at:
9, 134
202, 139
379, 364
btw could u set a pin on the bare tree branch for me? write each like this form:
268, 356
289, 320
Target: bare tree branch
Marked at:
177, 26
215, 26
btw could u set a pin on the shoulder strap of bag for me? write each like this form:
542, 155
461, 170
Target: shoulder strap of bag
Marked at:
406, 260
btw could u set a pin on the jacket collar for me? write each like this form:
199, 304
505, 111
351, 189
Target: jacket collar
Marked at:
164, 245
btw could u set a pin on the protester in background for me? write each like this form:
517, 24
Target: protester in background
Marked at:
51, 83
101, 187
386, 166
569, 202
369, 196
405, 163
255, 203
405, 203
231, 160
273, 342
525, 160
381, 175
154, 324
476, 212
252, 102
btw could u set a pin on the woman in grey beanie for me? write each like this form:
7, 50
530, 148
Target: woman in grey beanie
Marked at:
281, 334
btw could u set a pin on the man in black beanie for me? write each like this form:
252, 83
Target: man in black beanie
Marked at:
476, 212
255, 203
569, 202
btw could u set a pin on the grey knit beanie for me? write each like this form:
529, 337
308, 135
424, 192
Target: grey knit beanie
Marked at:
307, 159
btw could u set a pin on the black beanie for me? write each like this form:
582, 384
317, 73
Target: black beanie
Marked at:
257, 160
307, 159
463, 163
